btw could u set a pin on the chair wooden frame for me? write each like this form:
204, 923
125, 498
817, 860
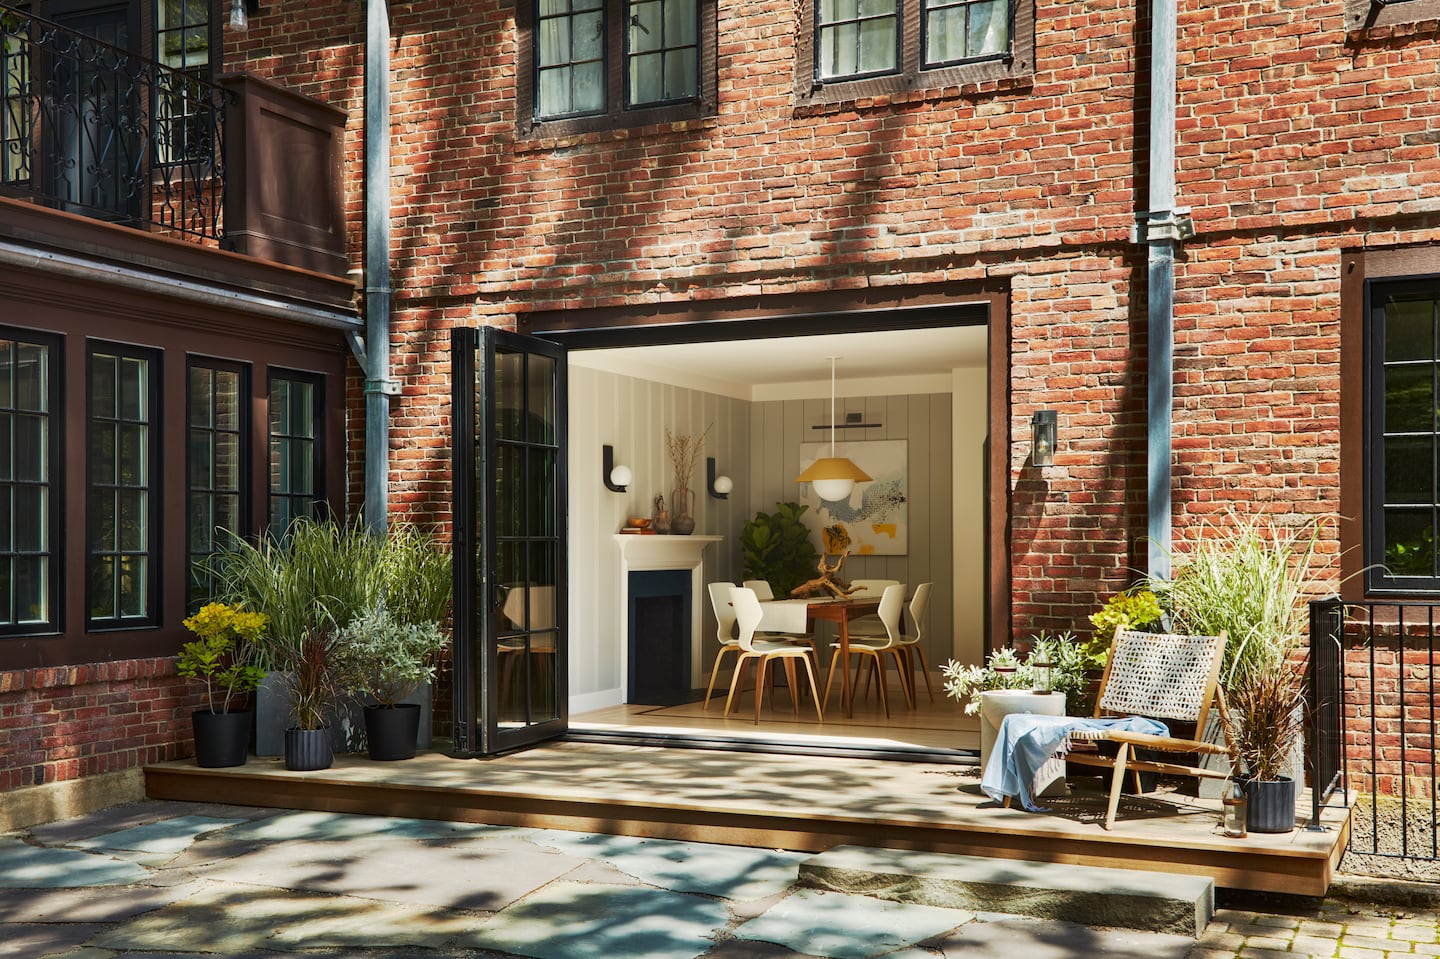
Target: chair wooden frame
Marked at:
1125, 679
892, 601
747, 617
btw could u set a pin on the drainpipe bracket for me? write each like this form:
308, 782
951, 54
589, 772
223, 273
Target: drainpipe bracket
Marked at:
383, 387
1174, 226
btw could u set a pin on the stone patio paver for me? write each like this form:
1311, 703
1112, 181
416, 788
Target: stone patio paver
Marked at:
728, 872
457, 875
850, 927
168, 836
576, 921
28, 867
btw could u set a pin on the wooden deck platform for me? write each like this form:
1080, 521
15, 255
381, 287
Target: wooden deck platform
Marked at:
795, 802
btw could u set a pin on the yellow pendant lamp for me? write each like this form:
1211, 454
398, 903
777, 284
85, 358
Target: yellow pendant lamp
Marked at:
833, 477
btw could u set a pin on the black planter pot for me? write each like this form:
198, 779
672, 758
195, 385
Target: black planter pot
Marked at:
1270, 805
390, 731
221, 739
308, 749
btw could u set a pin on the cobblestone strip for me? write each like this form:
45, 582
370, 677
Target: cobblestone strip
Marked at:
1336, 930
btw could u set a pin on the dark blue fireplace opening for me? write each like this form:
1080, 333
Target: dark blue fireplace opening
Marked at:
660, 637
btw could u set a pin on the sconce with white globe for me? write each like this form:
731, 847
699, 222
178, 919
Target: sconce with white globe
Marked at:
719, 487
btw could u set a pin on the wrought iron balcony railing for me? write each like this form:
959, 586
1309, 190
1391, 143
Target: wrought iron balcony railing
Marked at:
93, 129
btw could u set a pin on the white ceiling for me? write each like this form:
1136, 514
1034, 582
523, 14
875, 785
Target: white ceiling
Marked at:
772, 368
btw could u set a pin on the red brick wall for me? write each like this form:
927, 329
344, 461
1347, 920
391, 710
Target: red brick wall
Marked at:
1295, 142
68, 722
1392, 707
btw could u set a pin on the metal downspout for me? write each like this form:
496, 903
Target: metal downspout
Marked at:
1162, 234
376, 361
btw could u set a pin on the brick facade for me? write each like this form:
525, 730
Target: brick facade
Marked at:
66, 723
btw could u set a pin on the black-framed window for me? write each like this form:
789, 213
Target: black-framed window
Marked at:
599, 63
217, 465
183, 112
29, 491
854, 48
122, 473
1402, 432
297, 474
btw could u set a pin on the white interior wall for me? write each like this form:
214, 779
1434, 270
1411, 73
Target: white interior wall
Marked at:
632, 414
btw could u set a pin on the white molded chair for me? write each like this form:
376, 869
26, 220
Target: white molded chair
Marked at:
892, 603
869, 588
910, 644
760, 588
747, 617
724, 631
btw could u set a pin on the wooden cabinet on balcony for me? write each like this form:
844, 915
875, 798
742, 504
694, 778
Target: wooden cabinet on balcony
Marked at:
285, 185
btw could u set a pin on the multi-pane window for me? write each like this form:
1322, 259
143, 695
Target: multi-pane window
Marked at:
29, 391
216, 466
960, 30
662, 52
570, 58
617, 61
1403, 434
183, 113
296, 483
122, 519
860, 48
857, 38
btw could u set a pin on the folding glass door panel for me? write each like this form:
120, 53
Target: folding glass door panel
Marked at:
509, 520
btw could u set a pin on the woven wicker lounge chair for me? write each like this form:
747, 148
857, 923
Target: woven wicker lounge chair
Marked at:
1159, 676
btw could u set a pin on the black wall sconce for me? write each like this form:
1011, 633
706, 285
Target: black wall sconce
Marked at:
718, 486
617, 478
1043, 427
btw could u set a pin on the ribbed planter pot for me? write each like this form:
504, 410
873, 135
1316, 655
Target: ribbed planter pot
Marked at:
1270, 805
221, 739
390, 731
308, 749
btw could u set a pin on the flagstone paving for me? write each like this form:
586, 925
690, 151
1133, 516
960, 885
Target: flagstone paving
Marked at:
173, 880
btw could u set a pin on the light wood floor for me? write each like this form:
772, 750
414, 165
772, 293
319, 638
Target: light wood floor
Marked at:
938, 725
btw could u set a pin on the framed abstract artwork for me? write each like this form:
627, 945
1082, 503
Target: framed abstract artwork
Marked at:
874, 519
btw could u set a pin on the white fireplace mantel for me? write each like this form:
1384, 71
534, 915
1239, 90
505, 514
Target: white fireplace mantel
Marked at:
651, 552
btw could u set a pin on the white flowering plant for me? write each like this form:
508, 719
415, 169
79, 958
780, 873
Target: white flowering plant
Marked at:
1006, 669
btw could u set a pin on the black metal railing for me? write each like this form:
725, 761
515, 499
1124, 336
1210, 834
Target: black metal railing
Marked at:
1374, 699
94, 129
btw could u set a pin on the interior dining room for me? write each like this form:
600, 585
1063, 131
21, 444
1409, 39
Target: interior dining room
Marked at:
908, 407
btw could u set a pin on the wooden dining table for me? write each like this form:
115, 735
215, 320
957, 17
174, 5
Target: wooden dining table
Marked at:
840, 612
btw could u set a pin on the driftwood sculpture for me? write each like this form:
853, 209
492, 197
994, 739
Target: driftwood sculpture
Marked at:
827, 581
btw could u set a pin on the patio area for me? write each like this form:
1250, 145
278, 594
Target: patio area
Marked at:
764, 800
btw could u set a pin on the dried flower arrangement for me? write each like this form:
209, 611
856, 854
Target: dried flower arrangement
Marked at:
684, 451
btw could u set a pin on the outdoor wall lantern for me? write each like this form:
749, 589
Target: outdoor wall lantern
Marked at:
617, 478
719, 486
1042, 438
240, 13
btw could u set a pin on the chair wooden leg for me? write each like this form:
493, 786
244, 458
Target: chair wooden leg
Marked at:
1116, 784
906, 682
759, 684
810, 675
880, 678
924, 668
830, 676
735, 680
791, 685
715, 671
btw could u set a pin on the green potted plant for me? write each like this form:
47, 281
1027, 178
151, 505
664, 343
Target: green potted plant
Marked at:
1006, 669
321, 575
380, 657
221, 658
1251, 580
776, 547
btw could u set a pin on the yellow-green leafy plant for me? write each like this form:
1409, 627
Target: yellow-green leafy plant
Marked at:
1127, 609
222, 654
